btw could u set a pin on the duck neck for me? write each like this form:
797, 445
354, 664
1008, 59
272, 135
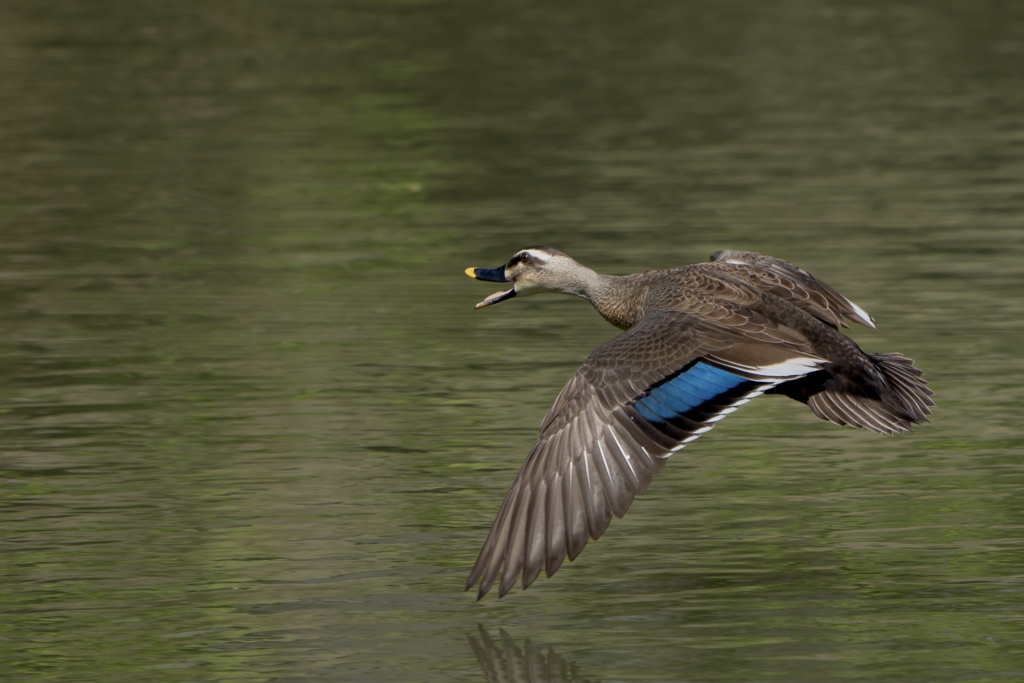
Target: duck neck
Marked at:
611, 295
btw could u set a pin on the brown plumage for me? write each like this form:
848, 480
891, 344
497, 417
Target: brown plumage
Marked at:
700, 341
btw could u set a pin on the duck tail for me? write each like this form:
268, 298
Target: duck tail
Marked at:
894, 398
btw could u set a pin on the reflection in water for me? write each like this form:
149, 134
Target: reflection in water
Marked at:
503, 661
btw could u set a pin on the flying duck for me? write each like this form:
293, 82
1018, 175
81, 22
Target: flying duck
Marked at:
699, 342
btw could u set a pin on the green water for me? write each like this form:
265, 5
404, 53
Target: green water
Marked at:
252, 429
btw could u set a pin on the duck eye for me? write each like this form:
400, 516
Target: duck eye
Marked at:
524, 257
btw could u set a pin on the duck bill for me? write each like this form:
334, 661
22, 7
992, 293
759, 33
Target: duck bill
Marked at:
497, 297
492, 275
488, 274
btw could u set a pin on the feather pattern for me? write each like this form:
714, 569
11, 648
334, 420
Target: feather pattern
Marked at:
793, 284
699, 342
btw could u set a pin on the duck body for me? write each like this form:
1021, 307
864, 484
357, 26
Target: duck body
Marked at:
698, 342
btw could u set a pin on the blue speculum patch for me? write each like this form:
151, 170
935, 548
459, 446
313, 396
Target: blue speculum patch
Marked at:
690, 389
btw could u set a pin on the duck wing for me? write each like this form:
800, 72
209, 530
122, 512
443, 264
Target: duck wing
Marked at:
637, 399
793, 284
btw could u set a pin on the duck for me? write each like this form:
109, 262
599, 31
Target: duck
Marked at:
698, 342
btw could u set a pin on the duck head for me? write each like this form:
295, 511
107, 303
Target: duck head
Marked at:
530, 271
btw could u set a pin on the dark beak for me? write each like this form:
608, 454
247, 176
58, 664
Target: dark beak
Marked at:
492, 275
488, 274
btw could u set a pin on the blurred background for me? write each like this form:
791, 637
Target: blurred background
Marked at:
252, 429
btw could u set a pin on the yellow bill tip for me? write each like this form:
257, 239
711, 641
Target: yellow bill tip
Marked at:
470, 272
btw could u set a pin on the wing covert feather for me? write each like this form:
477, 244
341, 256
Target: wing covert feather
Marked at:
791, 283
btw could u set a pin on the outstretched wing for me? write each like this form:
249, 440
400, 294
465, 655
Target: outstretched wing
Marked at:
793, 284
636, 400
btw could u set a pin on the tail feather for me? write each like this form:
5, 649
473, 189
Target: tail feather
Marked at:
901, 399
908, 383
857, 411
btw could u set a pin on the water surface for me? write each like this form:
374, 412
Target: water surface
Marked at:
252, 428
